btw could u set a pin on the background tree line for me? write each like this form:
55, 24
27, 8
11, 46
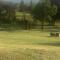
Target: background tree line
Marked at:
45, 11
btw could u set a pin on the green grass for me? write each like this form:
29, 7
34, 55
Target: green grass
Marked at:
28, 45
13, 53
27, 37
19, 15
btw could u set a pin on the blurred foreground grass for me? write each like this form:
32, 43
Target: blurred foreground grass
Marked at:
24, 52
28, 45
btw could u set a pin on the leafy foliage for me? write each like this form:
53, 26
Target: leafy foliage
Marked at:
44, 10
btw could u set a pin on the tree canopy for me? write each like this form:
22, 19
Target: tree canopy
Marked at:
44, 10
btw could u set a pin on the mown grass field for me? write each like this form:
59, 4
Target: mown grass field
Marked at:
29, 45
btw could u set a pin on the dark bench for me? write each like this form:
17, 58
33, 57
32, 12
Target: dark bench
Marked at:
53, 34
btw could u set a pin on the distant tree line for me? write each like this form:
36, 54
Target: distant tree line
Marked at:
43, 11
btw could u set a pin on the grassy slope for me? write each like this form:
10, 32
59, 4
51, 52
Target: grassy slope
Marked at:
24, 45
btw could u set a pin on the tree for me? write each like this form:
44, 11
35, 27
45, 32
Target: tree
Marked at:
31, 5
52, 10
21, 6
57, 3
44, 10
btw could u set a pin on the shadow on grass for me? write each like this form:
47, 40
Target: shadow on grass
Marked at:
10, 29
7, 29
50, 44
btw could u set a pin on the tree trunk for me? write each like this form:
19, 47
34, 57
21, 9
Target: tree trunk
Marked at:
42, 25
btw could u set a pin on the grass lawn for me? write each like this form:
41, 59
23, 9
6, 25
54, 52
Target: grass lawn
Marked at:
20, 15
28, 45
27, 37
